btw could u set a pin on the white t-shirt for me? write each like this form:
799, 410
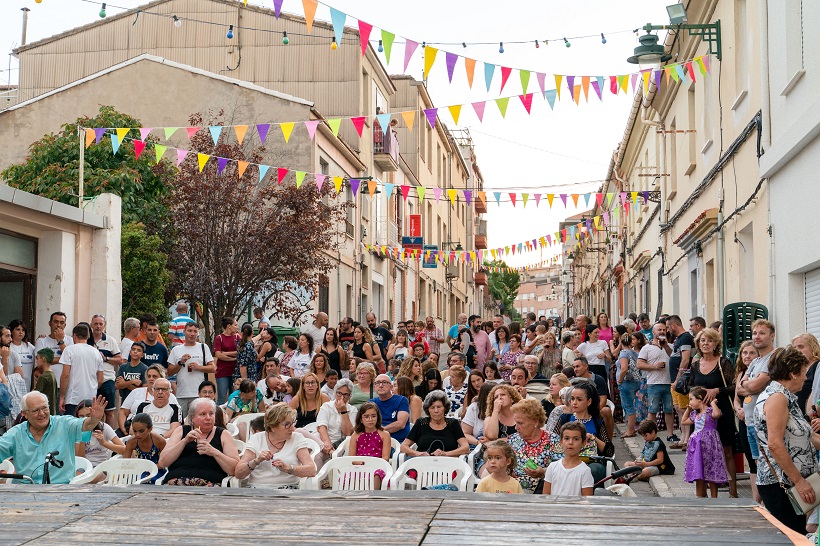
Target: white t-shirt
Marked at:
329, 417
51, 343
125, 348
188, 382
266, 473
94, 451
471, 419
318, 334
592, 350
140, 395
27, 355
13, 362
111, 345
654, 354
162, 417
85, 362
568, 482
300, 364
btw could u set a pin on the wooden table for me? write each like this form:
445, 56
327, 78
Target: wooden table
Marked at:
90, 514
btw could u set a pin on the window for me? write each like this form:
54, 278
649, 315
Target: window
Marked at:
693, 153
793, 35
741, 48
429, 145
812, 301
351, 210
422, 140
324, 294
673, 160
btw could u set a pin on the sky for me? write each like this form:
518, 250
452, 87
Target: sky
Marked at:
548, 151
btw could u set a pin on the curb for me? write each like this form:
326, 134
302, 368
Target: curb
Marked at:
658, 484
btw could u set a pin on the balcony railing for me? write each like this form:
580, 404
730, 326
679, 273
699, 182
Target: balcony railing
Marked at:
385, 148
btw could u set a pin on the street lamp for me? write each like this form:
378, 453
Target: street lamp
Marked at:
650, 54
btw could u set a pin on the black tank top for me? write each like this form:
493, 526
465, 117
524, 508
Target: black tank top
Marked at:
333, 360
358, 350
305, 418
191, 464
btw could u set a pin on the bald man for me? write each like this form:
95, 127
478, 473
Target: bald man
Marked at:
317, 329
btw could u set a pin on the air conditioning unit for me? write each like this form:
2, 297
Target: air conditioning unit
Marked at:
451, 272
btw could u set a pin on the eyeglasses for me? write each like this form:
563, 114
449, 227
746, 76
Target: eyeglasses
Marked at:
310, 383
162, 389
43, 409
382, 383
288, 424
343, 394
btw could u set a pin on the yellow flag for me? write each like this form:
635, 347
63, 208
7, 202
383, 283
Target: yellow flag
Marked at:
429, 59
240, 133
455, 111
409, 118
558, 85
202, 159
287, 129
121, 133
337, 182
645, 76
452, 195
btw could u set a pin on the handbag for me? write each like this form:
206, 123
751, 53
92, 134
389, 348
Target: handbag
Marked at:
800, 506
682, 384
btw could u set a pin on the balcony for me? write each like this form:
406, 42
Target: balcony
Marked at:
481, 278
481, 234
385, 148
480, 206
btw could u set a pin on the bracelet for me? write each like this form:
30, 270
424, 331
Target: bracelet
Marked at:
343, 412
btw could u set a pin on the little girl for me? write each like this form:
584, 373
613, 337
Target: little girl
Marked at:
369, 438
292, 389
145, 443
704, 456
500, 461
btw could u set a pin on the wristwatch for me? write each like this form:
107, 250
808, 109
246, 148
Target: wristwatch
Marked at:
343, 412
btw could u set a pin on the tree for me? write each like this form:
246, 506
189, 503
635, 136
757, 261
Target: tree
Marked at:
236, 238
503, 287
145, 276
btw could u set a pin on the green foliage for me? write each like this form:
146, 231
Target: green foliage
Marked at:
52, 169
145, 276
503, 288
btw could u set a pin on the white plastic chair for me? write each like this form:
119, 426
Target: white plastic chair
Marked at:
471, 457
232, 429
313, 428
84, 465
6, 467
245, 418
350, 474
313, 449
240, 446
432, 471
121, 472
395, 446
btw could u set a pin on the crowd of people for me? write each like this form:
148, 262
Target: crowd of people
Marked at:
538, 397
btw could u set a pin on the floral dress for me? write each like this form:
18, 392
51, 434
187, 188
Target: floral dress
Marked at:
510, 358
539, 452
247, 357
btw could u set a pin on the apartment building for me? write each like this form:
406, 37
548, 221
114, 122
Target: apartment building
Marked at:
540, 292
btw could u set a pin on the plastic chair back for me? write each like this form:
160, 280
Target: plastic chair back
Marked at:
737, 325
122, 472
432, 471
352, 473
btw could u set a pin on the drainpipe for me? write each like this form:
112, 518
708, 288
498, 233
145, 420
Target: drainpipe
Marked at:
766, 140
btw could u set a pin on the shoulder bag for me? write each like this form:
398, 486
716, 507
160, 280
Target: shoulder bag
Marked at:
800, 506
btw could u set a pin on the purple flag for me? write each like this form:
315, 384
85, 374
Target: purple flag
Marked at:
658, 79
563, 197
409, 48
597, 87
468, 196
221, 162
571, 85
354, 185
277, 7
431, 116
589, 224
645, 197
263, 129
99, 132
451, 64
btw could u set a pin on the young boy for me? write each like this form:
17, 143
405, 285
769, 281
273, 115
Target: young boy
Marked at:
570, 476
331, 378
47, 382
654, 459
131, 375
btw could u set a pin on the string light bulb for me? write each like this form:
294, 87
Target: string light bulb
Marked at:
177, 21
285, 39
566, 43
501, 47
102, 11
333, 45
38, 1
381, 47
463, 44
229, 35
603, 38
537, 45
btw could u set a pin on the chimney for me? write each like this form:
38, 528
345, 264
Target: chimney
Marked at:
25, 24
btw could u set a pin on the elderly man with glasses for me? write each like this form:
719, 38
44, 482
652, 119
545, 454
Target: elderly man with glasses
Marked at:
395, 409
43, 434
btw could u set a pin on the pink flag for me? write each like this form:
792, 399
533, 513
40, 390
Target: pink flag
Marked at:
505, 74
526, 100
181, 156
144, 133
311, 127
537, 199
409, 48
191, 131
320, 179
541, 77
479, 110
437, 193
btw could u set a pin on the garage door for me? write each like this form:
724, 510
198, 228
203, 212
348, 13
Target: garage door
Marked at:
813, 302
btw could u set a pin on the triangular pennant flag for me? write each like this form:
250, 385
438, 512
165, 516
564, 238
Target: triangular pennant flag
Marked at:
479, 110
338, 19
613, 85
623, 198
512, 198
505, 74
409, 48
388, 190
606, 217
497, 195
452, 195
576, 94
596, 85
241, 166
586, 199
334, 125
320, 180
121, 134
281, 173
526, 100
571, 86
139, 146
524, 198
215, 130
437, 193
431, 116
263, 170
181, 156
405, 191
262, 130
277, 8
468, 195
354, 185
705, 62
645, 75
502, 105
469, 67
364, 35
310, 12
115, 143
159, 150
450, 59
550, 197
358, 123
668, 72
429, 59
541, 77
455, 111
144, 132
337, 183
680, 73
420, 191
300, 178
691, 70
634, 78
645, 195
489, 70
202, 159
525, 80
311, 127
387, 43
599, 198
169, 131
384, 122
482, 196
558, 79
98, 134
221, 162
609, 197
89, 137
287, 129
240, 131
623, 83
409, 118
585, 87
537, 197
549, 94
575, 199
657, 74
563, 197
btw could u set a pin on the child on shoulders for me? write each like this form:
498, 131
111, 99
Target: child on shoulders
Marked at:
570, 476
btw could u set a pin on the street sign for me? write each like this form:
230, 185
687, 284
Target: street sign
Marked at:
415, 225
411, 243
430, 263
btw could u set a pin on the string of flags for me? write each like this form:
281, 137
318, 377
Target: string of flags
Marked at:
474, 258
283, 174
576, 86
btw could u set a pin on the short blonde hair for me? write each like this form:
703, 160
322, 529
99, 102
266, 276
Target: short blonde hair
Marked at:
532, 409
369, 368
277, 414
811, 341
458, 372
712, 335
509, 389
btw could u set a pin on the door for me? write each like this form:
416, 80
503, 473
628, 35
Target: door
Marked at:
17, 301
812, 302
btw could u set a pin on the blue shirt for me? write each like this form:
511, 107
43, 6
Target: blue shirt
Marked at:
390, 409
62, 433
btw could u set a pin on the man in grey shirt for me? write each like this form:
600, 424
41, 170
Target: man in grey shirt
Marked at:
756, 378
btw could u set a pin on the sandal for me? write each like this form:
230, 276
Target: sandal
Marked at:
625, 435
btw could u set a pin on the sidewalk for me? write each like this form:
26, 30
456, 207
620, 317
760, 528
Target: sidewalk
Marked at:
675, 485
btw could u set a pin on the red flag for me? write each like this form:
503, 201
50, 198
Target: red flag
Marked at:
138, 148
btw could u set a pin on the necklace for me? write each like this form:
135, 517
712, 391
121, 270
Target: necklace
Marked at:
273, 444
583, 420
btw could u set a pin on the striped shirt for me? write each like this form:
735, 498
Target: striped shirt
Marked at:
176, 330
